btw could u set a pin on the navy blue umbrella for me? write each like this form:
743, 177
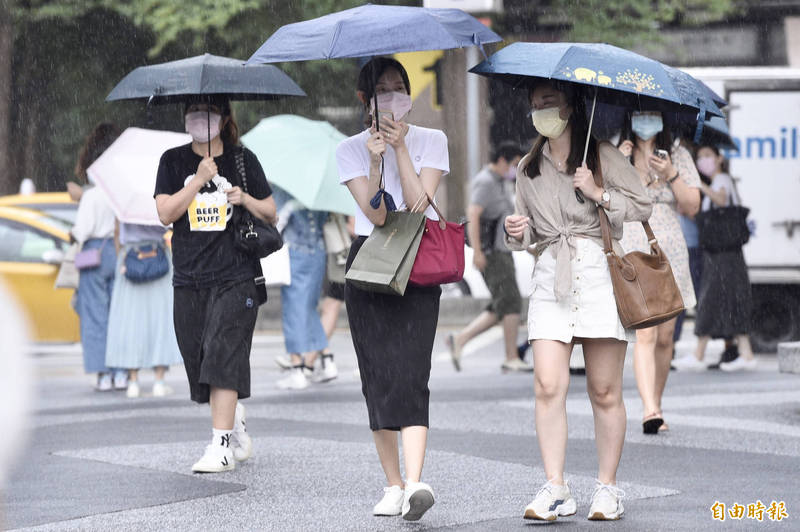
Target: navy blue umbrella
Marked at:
211, 75
371, 30
613, 75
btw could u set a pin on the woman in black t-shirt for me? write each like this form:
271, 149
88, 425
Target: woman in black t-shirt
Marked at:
216, 298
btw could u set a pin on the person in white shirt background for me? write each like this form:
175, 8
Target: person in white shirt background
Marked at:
94, 229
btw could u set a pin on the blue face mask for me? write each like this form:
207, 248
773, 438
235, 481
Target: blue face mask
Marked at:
646, 126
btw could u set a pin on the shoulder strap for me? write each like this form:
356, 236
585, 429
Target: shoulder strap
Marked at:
239, 157
605, 227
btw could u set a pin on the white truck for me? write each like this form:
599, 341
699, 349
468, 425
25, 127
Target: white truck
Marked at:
764, 119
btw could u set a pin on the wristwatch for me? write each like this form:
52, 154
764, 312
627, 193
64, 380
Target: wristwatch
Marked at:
673, 178
605, 198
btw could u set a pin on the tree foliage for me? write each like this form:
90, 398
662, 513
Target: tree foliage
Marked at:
630, 23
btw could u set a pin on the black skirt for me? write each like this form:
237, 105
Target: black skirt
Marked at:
214, 328
393, 339
725, 301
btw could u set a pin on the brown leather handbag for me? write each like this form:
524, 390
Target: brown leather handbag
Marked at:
644, 286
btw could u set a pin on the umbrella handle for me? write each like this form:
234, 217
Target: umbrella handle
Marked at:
578, 193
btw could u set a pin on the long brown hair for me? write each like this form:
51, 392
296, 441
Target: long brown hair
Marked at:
101, 137
579, 129
230, 129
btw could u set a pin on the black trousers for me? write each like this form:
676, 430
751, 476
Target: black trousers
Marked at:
214, 328
393, 339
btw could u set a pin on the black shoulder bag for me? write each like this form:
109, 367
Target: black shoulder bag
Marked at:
253, 236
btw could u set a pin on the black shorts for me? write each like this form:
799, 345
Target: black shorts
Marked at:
214, 328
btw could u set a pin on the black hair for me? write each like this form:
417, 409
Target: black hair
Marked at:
372, 71
579, 125
663, 138
230, 129
508, 150
98, 141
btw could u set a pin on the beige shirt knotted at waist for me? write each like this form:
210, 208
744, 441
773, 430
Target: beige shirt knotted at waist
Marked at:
556, 218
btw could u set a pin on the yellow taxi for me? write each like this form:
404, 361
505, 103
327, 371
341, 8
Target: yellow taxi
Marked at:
32, 245
56, 204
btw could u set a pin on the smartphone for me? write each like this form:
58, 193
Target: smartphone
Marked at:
661, 154
383, 116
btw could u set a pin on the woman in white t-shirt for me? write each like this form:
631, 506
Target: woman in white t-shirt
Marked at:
724, 302
393, 335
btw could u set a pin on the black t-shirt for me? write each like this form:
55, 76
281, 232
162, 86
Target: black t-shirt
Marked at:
203, 254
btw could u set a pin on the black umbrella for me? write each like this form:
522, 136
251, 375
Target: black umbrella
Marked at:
210, 75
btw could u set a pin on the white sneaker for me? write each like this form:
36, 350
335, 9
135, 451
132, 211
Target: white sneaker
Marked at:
689, 363
417, 499
516, 365
283, 362
296, 380
739, 364
241, 443
392, 502
325, 369
216, 459
133, 390
104, 382
606, 503
121, 380
160, 389
552, 501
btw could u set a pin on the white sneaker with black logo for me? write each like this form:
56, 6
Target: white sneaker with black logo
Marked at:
216, 459
606, 503
552, 501
241, 443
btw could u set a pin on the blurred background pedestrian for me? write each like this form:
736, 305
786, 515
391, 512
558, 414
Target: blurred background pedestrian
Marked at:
94, 230
491, 200
667, 171
725, 300
141, 333
303, 335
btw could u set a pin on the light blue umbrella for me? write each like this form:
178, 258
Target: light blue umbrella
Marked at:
299, 155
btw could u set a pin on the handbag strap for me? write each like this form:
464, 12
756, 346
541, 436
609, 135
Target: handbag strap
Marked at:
421, 200
605, 226
240, 169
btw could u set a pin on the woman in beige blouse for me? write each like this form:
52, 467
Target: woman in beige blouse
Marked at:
573, 300
668, 173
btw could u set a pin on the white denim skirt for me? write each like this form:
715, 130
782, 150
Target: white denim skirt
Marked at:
589, 310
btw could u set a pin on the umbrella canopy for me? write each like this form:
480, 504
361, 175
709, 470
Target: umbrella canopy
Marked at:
371, 30
126, 172
299, 155
619, 76
715, 133
209, 74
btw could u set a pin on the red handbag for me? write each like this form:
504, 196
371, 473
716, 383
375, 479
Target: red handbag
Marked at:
440, 258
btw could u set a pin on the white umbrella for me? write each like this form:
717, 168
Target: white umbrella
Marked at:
126, 172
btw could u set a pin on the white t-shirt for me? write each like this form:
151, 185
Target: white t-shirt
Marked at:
721, 182
94, 219
426, 147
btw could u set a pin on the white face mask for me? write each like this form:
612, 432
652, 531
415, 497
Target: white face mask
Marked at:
197, 124
548, 122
